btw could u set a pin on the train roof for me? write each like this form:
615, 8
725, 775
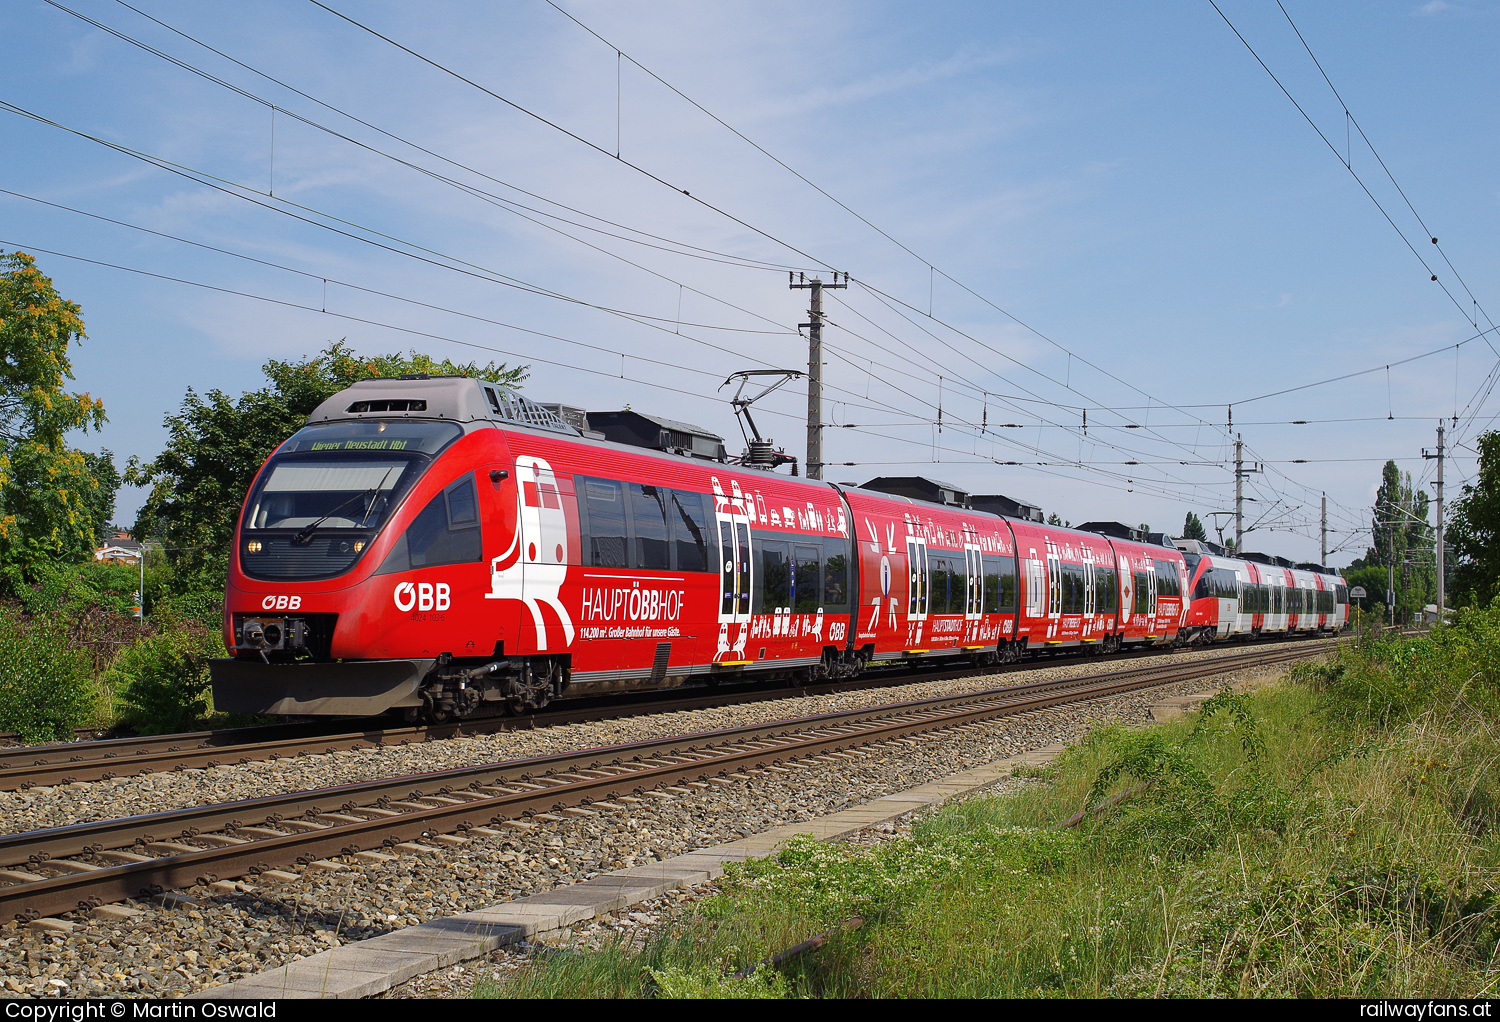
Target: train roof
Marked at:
455, 398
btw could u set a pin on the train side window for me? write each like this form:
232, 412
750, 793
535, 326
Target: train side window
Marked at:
775, 589
605, 544
648, 518
1106, 590
950, 584
807, 574
689, 530
937, 583
1166, 579
1142, 593
999, 585
835, 574
1075, 582
446, 531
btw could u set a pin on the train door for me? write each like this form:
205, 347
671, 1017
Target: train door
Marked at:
732, 524
974, 592
974, 566
1054, 583
1036, 586
916, 591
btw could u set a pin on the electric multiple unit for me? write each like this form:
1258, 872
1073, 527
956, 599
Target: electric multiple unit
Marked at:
446, 548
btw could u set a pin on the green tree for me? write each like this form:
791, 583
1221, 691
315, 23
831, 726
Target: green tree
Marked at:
1403, 540
1192, 528
54, 500
217, 444
1474, 532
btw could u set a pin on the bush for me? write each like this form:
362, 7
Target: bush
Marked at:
73, 589
161, 682
46, 688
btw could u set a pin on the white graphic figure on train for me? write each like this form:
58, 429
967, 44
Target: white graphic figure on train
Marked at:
535, 565
732, 522
885, 574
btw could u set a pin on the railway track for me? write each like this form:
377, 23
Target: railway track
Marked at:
61, 869
69, 762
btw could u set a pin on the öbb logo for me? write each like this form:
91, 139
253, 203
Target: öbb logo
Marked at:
281, 603
422, 596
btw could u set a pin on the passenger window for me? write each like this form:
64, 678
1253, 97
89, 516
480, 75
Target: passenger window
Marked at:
775, 578
648, 515
689, 531
446, 531
807, 572
835, 574
1142, 593
605, 507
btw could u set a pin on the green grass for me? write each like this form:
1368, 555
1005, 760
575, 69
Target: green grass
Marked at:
1335, 836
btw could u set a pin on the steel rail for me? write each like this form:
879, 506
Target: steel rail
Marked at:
72, 762
122, 832
498, 792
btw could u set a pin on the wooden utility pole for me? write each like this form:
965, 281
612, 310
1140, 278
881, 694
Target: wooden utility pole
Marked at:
815, 366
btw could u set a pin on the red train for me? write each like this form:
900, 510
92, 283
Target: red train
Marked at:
441, 546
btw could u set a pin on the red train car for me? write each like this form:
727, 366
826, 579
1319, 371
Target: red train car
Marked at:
933, 580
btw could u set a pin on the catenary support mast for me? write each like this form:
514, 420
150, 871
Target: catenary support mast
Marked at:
815, 366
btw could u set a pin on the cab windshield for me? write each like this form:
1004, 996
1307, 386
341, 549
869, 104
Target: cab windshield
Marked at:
328, 490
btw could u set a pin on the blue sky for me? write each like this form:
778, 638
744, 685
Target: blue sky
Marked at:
1142, 222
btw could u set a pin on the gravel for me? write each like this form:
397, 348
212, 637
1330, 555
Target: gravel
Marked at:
102, 800
227, 935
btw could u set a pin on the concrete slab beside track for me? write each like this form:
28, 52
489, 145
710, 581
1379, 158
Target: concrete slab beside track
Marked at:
380, 963
371, 966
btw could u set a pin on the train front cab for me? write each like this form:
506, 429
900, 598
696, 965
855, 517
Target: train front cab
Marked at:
1214, 610
363, 554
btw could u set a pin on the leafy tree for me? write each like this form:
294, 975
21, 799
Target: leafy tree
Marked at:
54, 500
218, 443
1192, 528
1403, 540
1373, 580
1474, 535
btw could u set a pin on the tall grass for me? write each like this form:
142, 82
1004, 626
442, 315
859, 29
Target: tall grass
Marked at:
1335, 836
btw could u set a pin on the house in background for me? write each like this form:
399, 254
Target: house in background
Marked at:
119, 548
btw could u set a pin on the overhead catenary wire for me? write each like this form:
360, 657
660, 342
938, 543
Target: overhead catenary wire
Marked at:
1059, 425
642, 170
413, 250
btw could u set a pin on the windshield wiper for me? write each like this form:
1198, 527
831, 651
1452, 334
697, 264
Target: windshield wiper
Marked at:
305, 536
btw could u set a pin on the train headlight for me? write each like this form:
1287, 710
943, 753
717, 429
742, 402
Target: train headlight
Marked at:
253, 546
359, 545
